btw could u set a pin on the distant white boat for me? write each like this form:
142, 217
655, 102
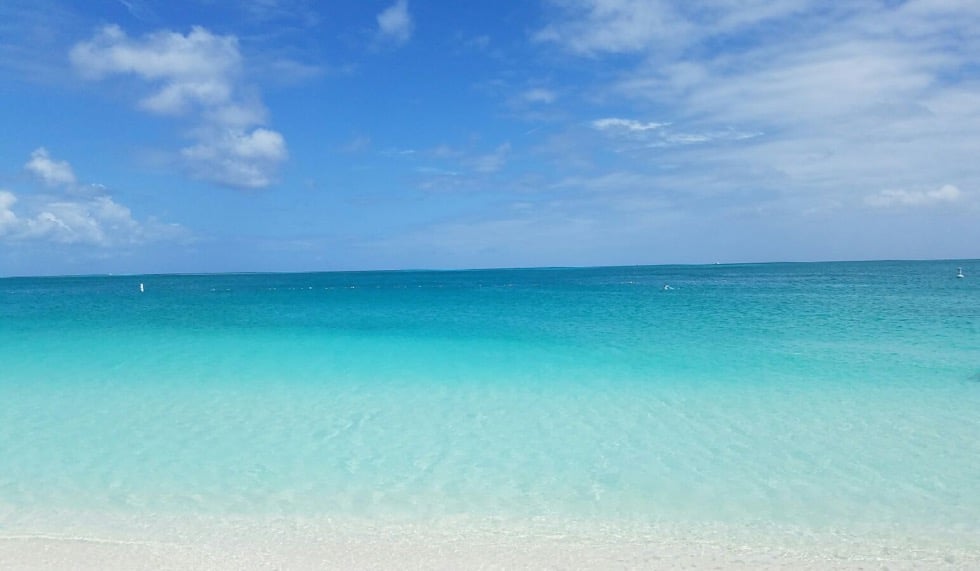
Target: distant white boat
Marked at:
141, 288
959, 273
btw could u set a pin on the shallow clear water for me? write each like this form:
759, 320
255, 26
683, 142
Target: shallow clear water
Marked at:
820, 396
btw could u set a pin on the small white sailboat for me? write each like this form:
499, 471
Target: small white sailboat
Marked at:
959, 273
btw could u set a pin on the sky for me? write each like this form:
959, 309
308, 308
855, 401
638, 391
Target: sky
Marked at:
153, 136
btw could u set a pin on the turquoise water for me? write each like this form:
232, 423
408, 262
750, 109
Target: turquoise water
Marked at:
821, 395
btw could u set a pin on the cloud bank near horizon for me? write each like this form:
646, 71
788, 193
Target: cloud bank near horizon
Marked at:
70, 213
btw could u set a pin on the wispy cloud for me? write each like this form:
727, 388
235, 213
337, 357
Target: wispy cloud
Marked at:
197, 76
594, 27
614, 124
395, 24
302, 11
33, 39
539, 95
357, 144
464, 160
613, 26
897, 197
653, 135
803, 102
139, 10
490, 162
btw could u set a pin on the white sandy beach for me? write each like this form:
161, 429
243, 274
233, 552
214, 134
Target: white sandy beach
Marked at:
247, 543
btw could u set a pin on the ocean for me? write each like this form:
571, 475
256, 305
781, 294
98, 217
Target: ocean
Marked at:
772, 400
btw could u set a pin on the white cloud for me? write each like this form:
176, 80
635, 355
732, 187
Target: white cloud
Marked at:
631, 125
659, 135
98, 221
197, 75
892, 197
95, 220
8, 220
51, 172
395, 23
80, 222
197, 68
241, 159
175, 98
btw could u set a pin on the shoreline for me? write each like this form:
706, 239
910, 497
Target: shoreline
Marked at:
210, 542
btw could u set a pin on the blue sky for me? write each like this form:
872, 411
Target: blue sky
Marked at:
295, 135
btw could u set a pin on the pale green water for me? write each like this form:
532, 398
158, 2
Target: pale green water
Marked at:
797, 395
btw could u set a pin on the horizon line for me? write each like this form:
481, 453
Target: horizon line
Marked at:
483, 269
